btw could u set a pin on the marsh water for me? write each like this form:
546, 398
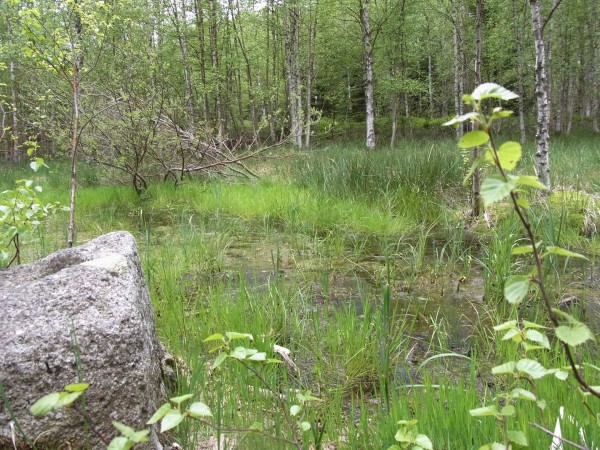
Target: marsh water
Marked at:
433, 282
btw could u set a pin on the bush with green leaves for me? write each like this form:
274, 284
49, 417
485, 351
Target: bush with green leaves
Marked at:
570, 333
21, 212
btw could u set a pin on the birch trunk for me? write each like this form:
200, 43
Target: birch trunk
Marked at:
542, 134
215, 68
595, 100
369, 88
476, 178
520, 71
291, 30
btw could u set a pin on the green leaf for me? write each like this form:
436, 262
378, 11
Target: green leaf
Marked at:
508, 411
528, 324
45, 404
523, 394
562, 252
78, 387
523, 203
34, 166
256, 426
181, 398
506, 325
493, 90
536, 336
473, 139
231, 335
512, 334
494, 188
507, 367
214, 337
423, 441
120, 443
500, 113
171, 420
516, 288
295, 409
126, 431
219, 360
460, 119
239, 353
574, 334
509, 154
305, 426
518, 437
160, 413
531, 181
199, 409
521, 250
67, 399
531, 367
261, 356
484, 411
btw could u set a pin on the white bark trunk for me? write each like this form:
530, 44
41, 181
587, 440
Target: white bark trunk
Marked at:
369, 88
542, 134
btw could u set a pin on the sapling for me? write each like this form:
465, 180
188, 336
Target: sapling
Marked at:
530, 337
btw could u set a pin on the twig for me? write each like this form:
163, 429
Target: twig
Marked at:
562, 439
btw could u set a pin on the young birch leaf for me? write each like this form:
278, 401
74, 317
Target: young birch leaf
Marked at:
494, 188
460, 119
531, 181
160, 413
262, 356
493, 90
516, 288
523, 394
508, 367
536, 336
562, 252
305, 426
508, 410
45, 404
509, 155
532, 368
171, 420
120, 443
518, 437
506, 325
181, 398
522, 250
473, 139
423, 441
199, 409
214, 337
511, 334
231, 335
219, 360
67, 399
78, 387
484, 411
574, 334
295, 409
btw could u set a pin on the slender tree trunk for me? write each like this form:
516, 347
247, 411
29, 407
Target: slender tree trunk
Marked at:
368, 61
199, 15
291, 31
312, 34
214, 51
180, 29
76, 66
476, 178
517, 24
542, 134
595, 72
458, 76
14, 132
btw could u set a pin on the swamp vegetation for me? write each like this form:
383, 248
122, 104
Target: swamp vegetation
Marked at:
367, 266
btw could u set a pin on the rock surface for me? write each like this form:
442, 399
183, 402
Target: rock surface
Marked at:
91, 301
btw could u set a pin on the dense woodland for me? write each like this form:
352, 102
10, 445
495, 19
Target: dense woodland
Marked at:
165, 84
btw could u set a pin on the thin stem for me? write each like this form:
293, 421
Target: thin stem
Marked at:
539, 277
562, 439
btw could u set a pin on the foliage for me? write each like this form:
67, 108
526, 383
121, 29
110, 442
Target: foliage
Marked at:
528, 335
21, 212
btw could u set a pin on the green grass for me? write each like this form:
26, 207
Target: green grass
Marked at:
327, 214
